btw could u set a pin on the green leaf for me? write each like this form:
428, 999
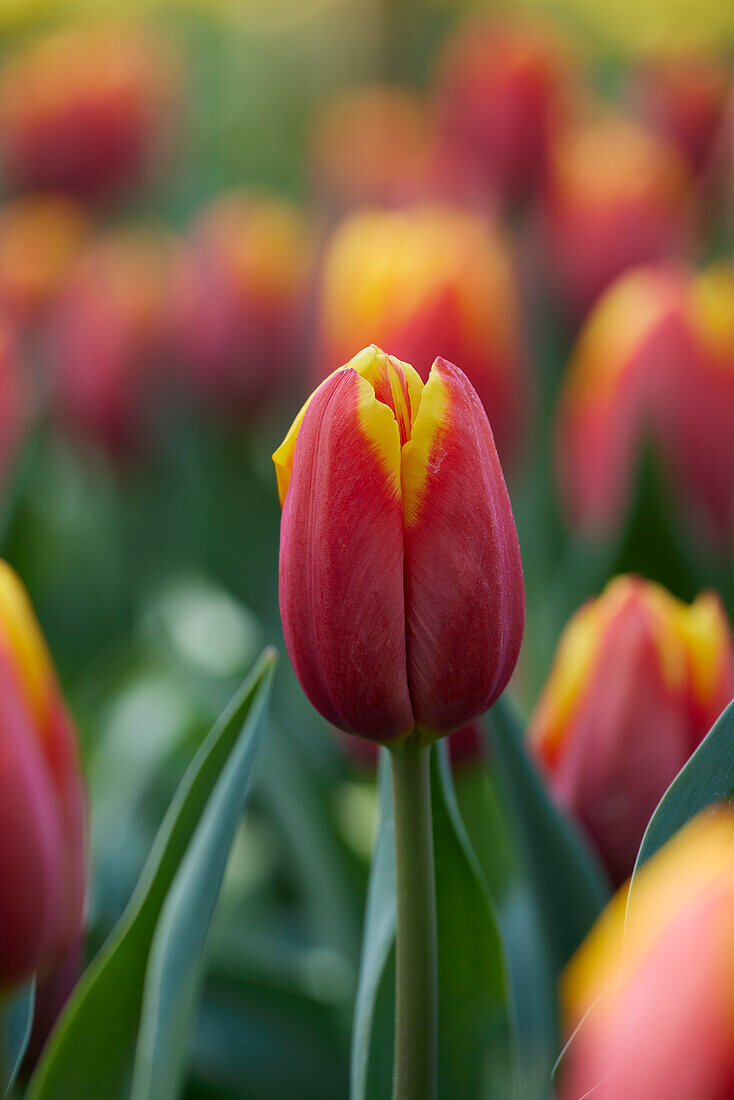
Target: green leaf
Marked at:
126, 1023
707, 777
476, 1051
16, 1023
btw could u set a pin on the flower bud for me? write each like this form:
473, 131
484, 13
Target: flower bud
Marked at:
652, 985
618, 195
84, 110
109, 336
401, 591
501, 88
638, 680
426, 278
240, 295
39, 237
43, 810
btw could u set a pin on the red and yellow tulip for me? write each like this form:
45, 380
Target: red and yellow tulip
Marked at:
638, 679
654, 979
655, 359
618, 195
431, 277
240, 299
85, 110
401, 590
43, 809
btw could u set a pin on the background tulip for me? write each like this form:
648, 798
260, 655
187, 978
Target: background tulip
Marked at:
638, 680
85, 110
656, 979
433, 277
240, 293
401, 591
618, 195
43, 815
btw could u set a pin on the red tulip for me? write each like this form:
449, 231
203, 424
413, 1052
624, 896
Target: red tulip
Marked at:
618, 195
240, 300
43, 811
652, 985
425, 278
84, 110
638, 680
401, 590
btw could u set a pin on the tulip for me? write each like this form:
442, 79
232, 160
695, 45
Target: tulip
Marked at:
655, 359
401, 588
39, 237
84, 110
618, 195
433, 277
240, 295
654, 979
638, 680
684, 98
109, 336
43, 811
501, 88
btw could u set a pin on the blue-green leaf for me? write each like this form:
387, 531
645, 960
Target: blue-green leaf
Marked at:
124, 1014
16, 1023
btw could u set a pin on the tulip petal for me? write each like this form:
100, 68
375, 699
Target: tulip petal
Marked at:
464, 599
341, 563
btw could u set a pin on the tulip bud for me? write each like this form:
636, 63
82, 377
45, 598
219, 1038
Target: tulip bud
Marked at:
652, 985
654, 360
638, 680
684, 99
501, 89
240, 300
401, 591
39, 237
426, 278
618, 195
109, 336
84, 110
43, 811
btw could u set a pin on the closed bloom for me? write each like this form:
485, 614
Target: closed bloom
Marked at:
43, 809
84, 110
638, 680
618, 195
654, 362
430, 278
240, 293
401, 591
656, 979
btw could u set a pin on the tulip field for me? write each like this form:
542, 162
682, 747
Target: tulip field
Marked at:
366, 550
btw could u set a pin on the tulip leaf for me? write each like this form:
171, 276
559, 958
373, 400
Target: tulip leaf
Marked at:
476, 1047
126, 1025
569, 885
16, 1024
707, 777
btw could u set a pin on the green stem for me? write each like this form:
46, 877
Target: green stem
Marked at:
416, 1008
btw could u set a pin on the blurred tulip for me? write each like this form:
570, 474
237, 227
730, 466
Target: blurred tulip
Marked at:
85, 110
109, 336
240, 300
39, 237
501, 88
13, 402
655, 358
684, 98
638, 680
401, 590
618, 195
433, 277
43, 810
656, 979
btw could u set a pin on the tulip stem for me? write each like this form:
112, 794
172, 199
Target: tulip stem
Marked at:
416, 1002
